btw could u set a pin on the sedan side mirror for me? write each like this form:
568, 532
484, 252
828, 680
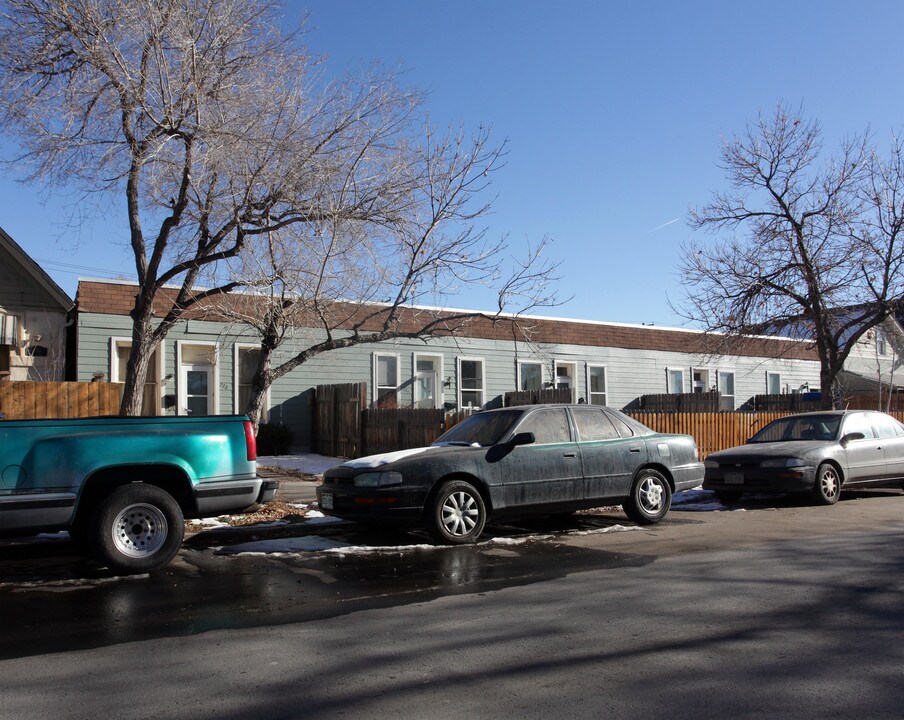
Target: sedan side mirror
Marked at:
523, 438
851, 436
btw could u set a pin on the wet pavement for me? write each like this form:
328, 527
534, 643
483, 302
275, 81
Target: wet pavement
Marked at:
222, 580
54, 600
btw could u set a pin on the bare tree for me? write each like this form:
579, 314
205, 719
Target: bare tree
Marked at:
813, 249
343, 281
207, 120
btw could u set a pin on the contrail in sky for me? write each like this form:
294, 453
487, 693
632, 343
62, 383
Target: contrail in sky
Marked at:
664, 225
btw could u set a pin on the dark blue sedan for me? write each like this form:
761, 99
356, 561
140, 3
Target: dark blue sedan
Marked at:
516, 461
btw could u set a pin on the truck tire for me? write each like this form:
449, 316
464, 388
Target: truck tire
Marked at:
136, 529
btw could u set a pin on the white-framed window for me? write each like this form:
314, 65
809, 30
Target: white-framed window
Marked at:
700, 380
386, 380
566, 377
152, 397
9, 330
674, 380
880, 341
773, 383
246, 358
530, 375
471, 382
726, 390
198, 378
597, 389
428, 380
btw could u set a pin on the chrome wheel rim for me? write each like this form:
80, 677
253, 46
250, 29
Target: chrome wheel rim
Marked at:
828, 483
139, 530
460, 513
650, 492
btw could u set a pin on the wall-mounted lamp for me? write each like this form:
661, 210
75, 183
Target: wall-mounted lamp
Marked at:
447, 382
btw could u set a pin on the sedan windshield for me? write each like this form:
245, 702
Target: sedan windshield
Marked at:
801, 427
481, 429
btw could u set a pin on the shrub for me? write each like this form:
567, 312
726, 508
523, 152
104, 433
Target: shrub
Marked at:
273, 439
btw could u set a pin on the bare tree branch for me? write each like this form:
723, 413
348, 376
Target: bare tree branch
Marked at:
817, 252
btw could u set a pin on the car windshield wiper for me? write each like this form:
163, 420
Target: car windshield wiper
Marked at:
463, 443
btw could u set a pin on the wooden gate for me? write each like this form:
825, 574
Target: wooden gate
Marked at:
337, 419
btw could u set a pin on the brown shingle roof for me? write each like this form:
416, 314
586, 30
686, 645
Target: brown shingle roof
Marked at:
119, 298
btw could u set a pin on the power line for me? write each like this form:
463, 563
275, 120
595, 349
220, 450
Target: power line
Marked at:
76, 269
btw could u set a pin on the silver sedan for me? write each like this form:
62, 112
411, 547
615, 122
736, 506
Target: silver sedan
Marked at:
818, 453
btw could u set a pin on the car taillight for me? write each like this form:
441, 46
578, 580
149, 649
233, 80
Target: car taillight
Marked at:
250, 440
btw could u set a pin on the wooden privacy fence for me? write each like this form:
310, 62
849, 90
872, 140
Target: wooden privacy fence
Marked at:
29, 400
537, 397
681, 402
345, 427
712, 431
390, 429
864, 401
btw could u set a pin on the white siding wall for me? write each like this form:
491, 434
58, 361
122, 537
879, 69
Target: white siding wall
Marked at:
39, 316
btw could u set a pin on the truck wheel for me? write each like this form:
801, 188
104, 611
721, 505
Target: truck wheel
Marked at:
138, 528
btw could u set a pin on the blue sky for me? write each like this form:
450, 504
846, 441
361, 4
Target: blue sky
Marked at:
613, 114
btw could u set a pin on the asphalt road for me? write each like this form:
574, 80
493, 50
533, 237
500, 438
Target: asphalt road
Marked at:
778, 609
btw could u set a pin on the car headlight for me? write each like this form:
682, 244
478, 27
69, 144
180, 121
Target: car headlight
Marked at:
783, 462
378, 479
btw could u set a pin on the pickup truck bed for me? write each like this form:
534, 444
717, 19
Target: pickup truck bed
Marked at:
123, 486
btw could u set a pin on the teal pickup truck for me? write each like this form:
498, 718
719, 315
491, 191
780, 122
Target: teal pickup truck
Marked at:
123, 487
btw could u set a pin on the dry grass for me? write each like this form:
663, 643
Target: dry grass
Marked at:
271, 512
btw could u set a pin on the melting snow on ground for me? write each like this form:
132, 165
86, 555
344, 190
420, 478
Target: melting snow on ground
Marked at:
317, 544
302, 462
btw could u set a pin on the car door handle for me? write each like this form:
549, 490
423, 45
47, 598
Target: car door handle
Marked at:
571, 454
634, 449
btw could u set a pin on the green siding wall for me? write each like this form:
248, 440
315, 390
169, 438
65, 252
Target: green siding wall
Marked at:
631, 373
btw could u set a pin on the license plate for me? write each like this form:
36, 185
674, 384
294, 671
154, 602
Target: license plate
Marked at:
734, 478
326, 501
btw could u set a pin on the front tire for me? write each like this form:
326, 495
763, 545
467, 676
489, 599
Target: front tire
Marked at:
827, 488
651, 498
137, 529
457, 514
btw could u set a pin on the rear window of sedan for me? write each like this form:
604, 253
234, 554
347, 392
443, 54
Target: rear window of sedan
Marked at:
887, 427
594, 424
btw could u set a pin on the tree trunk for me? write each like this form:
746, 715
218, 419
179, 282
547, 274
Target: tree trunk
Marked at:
260, 383
139, 361
827, 376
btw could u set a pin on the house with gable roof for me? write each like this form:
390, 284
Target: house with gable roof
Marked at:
34, 316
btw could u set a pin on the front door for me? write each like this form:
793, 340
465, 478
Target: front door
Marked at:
198, 395
426, 382
549, 470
